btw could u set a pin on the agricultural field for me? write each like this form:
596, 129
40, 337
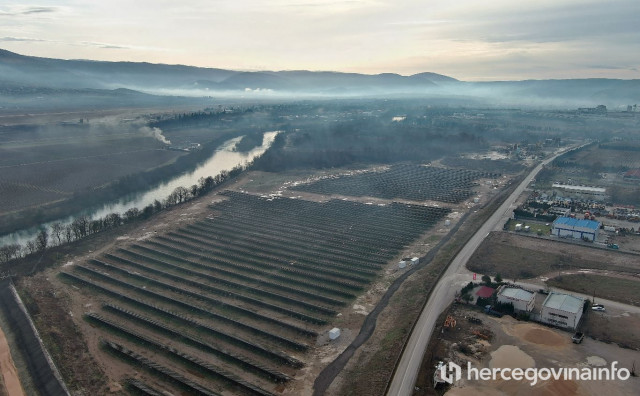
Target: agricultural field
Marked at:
403, 181
235, 303
41, 165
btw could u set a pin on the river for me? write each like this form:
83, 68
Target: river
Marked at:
224, 158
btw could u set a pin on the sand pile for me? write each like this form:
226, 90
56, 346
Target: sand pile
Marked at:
539, 335
512, 357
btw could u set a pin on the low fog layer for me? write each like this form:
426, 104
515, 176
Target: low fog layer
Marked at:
31, 76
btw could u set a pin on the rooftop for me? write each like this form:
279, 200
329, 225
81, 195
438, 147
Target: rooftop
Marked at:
517, 294
564, 302
485, 291
571, 222
571, 187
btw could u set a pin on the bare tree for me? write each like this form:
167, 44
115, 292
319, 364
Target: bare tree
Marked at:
30, 247
68, 233
80, 227
9, 252
42, 240
57, 229
112, 220
131, 214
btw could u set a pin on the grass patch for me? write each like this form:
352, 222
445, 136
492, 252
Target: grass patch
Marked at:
536, 227
617, 289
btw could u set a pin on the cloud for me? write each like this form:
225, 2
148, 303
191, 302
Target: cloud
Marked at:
27, 39
27, 10
103, 45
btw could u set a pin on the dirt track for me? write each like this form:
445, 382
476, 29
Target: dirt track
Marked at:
9, 373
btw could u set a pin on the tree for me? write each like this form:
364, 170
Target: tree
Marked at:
30, 247
486, 279
68, 233
131, 214
42, 240
193, 190
9, 252
112, 220
80, 227
498, 278
57, 230
181, 194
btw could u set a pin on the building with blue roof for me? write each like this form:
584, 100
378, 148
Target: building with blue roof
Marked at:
568, 227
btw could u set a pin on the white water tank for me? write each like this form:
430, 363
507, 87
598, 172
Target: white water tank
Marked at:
334, 333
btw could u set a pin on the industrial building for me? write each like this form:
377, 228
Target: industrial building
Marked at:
583, 192
522, 300
568, 227
562, 310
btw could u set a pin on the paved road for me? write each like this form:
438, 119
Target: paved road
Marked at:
453, 279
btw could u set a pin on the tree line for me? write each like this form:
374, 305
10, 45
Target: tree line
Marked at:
83, 226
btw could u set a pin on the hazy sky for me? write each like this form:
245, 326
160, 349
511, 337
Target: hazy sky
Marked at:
466, 39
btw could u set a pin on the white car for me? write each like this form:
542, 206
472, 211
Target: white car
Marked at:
598, 308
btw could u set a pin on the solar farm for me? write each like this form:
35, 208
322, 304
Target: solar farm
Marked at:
234, 303
405, 181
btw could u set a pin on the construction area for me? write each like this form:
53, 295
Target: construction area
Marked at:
466, 334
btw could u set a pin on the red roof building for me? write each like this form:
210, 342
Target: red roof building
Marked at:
485, 292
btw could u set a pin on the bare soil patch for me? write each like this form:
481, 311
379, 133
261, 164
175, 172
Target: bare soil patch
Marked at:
539, 335
615, 288
10, 380
521, 257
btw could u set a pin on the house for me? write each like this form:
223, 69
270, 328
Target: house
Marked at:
522, 300
562, 310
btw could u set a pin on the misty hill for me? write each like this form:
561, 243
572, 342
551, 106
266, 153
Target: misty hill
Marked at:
197, 81
74, 74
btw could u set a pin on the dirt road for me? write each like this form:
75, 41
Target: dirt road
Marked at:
9, 373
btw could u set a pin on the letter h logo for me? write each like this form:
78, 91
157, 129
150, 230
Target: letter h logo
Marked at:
450, 373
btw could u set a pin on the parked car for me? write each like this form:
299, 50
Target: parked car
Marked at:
598, 308
578, 337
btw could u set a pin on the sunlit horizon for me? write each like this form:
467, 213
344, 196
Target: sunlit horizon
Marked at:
464, 40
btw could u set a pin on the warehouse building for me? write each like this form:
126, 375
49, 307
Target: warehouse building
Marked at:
522, 300
562, 310
567, 227
583, 192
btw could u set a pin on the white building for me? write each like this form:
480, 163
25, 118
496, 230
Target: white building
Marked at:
583, 192
567, 227
522, 300
562, 310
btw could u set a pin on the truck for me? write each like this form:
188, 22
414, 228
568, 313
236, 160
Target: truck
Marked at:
577, 337
488, 309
